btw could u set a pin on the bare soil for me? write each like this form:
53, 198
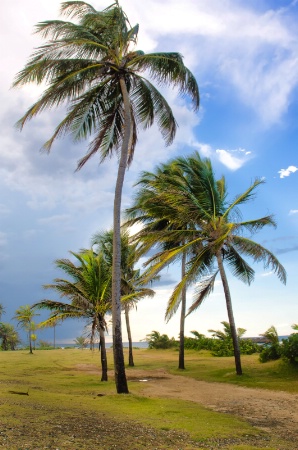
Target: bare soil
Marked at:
275, 414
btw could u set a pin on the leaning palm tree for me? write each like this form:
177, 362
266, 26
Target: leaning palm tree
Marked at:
215, 237
89, 293
24, 315
156, 217
92, 66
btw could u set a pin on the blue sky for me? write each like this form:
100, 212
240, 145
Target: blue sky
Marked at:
245, 58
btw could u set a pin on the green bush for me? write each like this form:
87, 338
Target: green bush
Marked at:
290, 348
157, 340
270, 353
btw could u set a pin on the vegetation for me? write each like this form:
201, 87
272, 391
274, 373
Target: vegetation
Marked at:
132, 281
160, 341
64, 396
214, 237
92, 65
272, 349
9, 336
24, 316
81, 342
89, 293
290, 349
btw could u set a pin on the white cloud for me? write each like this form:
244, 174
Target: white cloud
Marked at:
233, 159
286, 172
267, 274
293, 211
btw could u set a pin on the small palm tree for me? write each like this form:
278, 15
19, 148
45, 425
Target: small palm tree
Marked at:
295, 326
89, 293
214, 237
9, 336
132, 281
226, 333
24, 316
271, 335
94, 67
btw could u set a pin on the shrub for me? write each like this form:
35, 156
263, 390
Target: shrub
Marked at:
270, 353
290, 348
157, 340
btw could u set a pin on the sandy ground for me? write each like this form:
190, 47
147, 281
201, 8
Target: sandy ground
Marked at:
272, 411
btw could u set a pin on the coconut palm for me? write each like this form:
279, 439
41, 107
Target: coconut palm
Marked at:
226, 333
9, 336
132, 282
89, 293
215, 237
156, 217
24, 315
271, 335
93, 66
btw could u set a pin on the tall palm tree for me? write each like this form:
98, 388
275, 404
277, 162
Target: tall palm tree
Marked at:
89, 292
156, 217
24, 315
132, 281
215, 236
93, 66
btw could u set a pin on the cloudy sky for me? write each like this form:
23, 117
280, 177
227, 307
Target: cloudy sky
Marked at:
245, 58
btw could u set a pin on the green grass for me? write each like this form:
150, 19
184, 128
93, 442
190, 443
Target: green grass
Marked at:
275, 375
67, 383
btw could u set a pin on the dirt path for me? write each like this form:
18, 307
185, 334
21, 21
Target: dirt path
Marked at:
272, 411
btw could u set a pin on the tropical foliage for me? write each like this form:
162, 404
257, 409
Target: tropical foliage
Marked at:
160, 341
132, 281
271, 349
9, 336
88, 291
24, 316
214, 237
92, 65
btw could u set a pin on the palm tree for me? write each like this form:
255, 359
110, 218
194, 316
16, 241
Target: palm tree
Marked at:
226, 333
132, 282
215, 236
2, 310
156, 216
89, 292
271, 335
9, 336
24, 316
93, 66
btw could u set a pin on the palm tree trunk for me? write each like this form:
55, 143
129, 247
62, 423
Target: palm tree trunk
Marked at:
103, 353
130, 354
30, 342
182, 316
119, 367
230, 313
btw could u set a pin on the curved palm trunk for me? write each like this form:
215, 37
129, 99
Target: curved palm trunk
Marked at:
230, 314
103, 353
130, 354
119, 367
182, 316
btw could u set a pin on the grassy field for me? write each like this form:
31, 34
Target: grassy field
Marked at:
69, 408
